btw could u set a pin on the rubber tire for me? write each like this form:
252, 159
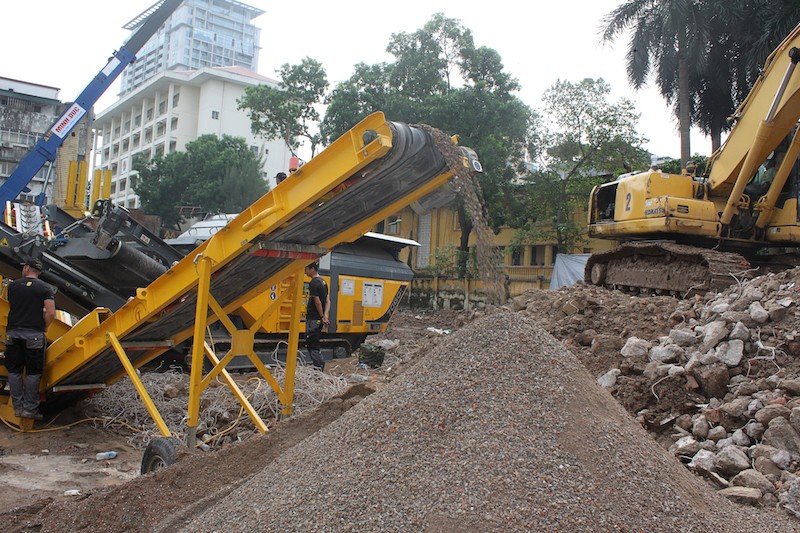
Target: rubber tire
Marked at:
160, 453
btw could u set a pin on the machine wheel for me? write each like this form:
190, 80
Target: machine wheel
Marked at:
598, 274
160, 453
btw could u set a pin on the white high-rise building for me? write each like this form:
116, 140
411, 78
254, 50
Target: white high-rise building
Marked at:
200, 33
175, 108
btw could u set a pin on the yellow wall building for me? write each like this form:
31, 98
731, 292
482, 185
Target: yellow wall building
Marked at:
438, 232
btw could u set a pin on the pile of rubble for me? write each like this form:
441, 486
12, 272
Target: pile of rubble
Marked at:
718, 383
499, 425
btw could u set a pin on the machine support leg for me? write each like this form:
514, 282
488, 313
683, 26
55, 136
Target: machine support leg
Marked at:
137, 382
291, 351
248, 407
198, 348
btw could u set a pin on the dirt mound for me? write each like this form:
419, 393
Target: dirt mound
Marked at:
162, 501
716, 379
499, 426
493, 422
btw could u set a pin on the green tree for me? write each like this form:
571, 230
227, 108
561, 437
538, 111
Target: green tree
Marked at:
706, 55
582, 139
215, 174
440, 78
161, 185
669, 39
740, 37
288, 112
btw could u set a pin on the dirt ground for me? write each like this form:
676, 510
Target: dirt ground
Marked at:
52, 471
42, 466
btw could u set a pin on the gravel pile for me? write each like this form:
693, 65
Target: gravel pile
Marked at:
499, 428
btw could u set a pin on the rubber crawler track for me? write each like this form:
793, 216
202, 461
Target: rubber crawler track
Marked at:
666, 268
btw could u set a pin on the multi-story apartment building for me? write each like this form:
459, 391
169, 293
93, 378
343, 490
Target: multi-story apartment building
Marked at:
200, 33
175, 108
27, 110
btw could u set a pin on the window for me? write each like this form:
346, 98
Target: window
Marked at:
215, 115
175, 98
537, 256
516, 256
254, 149
394, 225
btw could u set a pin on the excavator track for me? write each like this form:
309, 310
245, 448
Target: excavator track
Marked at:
666, 268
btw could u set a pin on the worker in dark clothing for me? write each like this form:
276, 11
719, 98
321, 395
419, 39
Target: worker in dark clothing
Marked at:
317, 309
31, 310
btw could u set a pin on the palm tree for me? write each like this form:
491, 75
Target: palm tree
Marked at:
669, 40
772, 21
723, 79
742, 35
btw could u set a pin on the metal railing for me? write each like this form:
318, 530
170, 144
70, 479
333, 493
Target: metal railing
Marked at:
19, 137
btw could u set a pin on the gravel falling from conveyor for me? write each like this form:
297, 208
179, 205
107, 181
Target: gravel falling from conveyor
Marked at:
498, 429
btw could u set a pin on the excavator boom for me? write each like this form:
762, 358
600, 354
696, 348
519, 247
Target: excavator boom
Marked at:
690, 222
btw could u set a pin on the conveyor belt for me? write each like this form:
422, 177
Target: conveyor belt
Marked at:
410, 168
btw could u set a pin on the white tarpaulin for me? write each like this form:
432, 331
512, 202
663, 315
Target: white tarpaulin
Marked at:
568, 269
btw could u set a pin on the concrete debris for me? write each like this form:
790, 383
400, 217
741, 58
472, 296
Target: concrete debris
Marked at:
745, 495
739, 380
609, 379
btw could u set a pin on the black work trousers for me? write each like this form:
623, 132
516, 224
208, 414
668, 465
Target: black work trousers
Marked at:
313, 336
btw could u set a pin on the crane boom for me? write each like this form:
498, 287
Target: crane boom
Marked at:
46, 149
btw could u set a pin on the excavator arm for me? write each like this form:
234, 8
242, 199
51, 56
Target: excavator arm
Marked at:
765, 118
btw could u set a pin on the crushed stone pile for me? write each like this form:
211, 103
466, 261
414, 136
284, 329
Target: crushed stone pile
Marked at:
499, 428
718, 382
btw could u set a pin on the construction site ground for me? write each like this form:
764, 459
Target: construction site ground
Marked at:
52, 481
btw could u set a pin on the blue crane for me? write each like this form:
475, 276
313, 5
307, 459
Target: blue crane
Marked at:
46, 149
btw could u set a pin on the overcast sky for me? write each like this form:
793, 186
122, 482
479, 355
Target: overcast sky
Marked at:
65, 43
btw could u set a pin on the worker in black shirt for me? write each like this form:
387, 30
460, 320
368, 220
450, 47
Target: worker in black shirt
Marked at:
31, 310
319, 304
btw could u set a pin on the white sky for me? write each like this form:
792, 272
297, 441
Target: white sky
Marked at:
65, 43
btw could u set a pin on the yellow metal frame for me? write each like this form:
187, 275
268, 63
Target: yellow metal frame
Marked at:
137, 383
242, 344
317, 182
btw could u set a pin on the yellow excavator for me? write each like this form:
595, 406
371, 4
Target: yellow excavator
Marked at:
687, 234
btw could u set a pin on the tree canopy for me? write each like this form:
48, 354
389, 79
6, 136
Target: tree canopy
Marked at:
287, 112
704, 55
582, 139
440, 78
214, 174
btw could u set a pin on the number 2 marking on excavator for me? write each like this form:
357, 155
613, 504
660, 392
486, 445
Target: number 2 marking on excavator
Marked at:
628, 202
